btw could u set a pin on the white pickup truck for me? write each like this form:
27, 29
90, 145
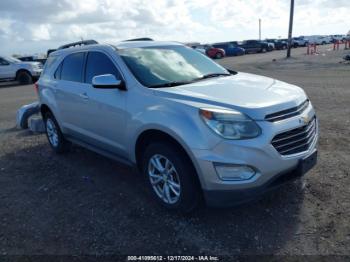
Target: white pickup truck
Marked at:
319, 40
23, 72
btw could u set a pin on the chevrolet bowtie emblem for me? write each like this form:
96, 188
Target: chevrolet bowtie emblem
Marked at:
304, 120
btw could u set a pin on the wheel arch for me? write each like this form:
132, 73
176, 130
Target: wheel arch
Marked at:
44, 109
150, 135
23, 70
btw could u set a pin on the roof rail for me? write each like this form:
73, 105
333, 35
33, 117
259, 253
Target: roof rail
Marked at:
139, 39
79, 43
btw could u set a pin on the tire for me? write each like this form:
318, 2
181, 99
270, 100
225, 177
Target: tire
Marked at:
54, 135
24, 78
218, 56
176, 187
263, 50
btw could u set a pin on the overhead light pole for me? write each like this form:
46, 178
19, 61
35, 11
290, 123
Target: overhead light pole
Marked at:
290, 27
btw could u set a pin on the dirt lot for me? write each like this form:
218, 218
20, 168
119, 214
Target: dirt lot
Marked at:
85, 204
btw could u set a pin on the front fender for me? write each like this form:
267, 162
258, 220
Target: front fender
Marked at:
180, 121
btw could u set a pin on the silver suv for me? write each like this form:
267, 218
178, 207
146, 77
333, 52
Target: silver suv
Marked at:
194, 129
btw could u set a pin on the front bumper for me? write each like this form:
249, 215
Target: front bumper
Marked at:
227, 198
258, 153
36, 73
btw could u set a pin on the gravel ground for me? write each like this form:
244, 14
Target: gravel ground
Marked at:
85, 204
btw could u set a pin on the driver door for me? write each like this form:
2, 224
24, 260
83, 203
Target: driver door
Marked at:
106, 120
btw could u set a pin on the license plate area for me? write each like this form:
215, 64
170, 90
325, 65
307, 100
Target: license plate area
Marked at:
308, 163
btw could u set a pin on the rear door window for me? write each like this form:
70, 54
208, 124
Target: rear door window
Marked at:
99, 64
49, 62
57, 74
72, 67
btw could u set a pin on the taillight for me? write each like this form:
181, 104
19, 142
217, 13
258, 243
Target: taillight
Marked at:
36, 87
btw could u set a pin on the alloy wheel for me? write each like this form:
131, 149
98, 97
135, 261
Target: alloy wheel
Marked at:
164, 179
52, 132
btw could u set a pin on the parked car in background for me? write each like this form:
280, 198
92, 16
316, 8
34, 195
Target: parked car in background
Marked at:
299, 41
213, 52
199, 49
15, 69
278, 43
194, 129
255, 46
319, 40
326, 40
338, 38
230, 48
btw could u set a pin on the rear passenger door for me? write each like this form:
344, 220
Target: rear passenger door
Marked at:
71, 94
105, 125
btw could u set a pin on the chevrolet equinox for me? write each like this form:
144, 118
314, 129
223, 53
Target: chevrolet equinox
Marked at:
194, 129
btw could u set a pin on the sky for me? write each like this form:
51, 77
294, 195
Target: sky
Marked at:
33, 26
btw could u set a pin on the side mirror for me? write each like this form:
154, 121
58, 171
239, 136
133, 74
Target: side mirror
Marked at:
108, 81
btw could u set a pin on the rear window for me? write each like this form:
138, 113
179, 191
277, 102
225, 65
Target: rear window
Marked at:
49, 62
72, 67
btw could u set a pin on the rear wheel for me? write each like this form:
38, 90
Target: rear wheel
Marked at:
54, 135
171, 177
24, 78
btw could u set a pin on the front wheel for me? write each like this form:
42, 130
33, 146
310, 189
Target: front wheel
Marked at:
218, 55
24, 78
171, 177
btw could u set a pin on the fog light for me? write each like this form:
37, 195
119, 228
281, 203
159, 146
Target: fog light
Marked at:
234, 172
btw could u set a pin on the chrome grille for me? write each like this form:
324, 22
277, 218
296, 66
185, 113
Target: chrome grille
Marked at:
296, 140
284, 114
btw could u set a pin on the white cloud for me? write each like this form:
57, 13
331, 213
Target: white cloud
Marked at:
42, 32
41, 24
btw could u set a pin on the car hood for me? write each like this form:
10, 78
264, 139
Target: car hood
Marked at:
251, 94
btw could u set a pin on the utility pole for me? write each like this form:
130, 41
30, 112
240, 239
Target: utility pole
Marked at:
259, 29
290, 27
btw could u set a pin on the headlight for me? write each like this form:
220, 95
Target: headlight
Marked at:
230, 124
36, 66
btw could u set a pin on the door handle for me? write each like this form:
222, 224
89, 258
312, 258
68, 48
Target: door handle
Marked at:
84, 96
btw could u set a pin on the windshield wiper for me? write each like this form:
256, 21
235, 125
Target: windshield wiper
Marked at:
214, 75
171, 84
179, 83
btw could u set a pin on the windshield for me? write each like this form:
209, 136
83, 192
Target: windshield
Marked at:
161, 66
12, 59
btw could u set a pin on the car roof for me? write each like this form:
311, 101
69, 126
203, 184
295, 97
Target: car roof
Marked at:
140, 44
119, 45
